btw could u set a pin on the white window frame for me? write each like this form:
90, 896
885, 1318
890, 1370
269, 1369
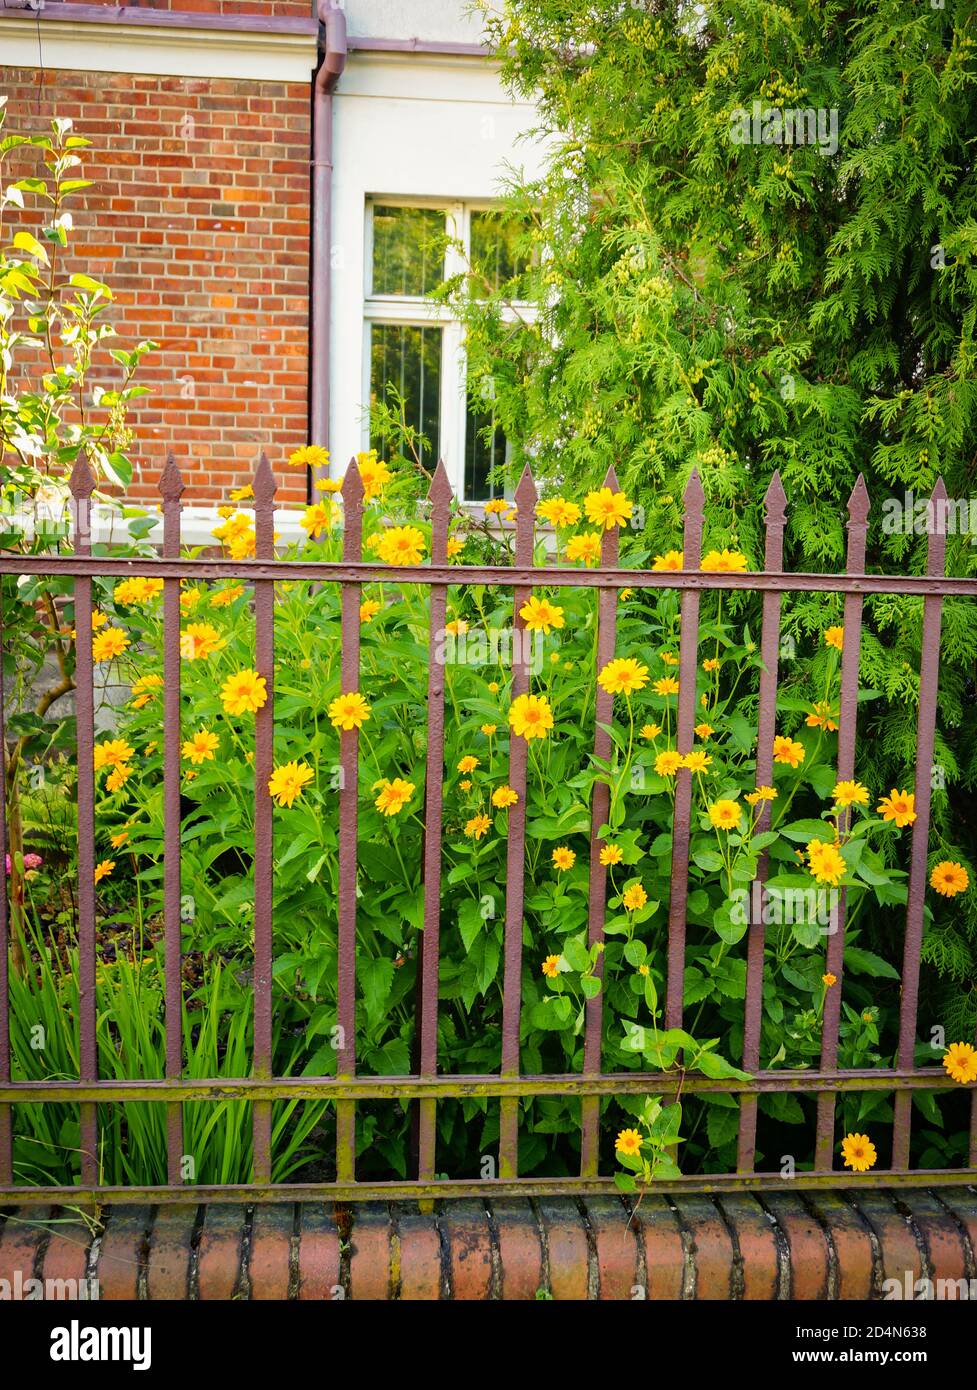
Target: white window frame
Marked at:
419, 311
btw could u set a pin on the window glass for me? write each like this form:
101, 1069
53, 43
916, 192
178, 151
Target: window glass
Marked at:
408, 250
485, 450
409, 358
493, 247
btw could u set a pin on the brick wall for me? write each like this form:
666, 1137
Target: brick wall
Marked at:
199, 220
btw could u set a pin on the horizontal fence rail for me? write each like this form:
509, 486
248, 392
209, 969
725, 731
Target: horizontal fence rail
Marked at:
426, 1085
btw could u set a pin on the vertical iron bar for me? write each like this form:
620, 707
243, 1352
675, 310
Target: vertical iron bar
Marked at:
858, 509
526, 497
775, 504
440, 498
264, 756
349, 744
929, 683
694, 500
171, 489
599, 810
82, 485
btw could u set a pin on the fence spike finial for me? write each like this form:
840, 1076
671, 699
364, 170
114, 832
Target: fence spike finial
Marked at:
610, 479
171, 484
775, 501
352, 491
526, 495
82, 480
440, 492
694, 497
264, 484
859, 503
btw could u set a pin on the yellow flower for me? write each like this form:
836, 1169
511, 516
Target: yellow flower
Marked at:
634, 897
133, 591
242, 494
585, 546
369, 608
456, 628
711, 664
540, 615
103, 869
244, 692
668, 658
725, 561
349, 711
504, 796
112, 753
328, 484
488, 729
223, 598
98, 620
143, 690
467, 764
822, 717
668, 763
564, 858
401, 545
623, 676
960, 1060
530, 716
374, 473
628, 1142
309, 456
725, 814
243, 544
825, 862
189, 598
495, 506
668, 685
704, 731
949, 878
606, 508
899, 807
200, 748
835, 637
109, 644
551, 967
828, 979
318, 518
455, 547
767, 793
650, 731
787, 750
118, 839
624, 595
494, 687
118, 777
199, 640
850, 794
697, 761
477, 826
859, 1152
394, 795
465, 784
373, 543
287, 782
671, 560
558, 512
611, 854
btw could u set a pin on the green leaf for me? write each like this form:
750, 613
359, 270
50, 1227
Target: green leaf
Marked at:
862, 962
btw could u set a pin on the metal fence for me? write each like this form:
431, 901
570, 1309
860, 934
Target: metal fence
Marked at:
427, 1087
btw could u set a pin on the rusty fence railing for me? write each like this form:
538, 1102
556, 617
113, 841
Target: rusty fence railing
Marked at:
427, 1087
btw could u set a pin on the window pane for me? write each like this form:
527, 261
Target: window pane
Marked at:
409, 358
494, 252
484, 451
407, 256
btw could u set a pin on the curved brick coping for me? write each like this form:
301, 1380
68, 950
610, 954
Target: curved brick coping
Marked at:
843, 1244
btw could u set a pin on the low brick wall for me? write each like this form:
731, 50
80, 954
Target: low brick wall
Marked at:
782, 1245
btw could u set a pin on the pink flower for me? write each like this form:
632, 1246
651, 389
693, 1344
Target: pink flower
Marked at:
31, 861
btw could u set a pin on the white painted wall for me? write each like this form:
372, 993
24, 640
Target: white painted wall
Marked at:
415, 126
440, 21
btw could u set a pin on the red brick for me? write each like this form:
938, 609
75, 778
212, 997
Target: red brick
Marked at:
897, 1244
369, 1266
22, 1235
419, 1253
852, 1243
469, 1240
759, 1268
271, 1249
807, 1244
664, 1247
120, 1251
319, 1268
66, 1256
520, 1252
617, 1247
568, 1248
712, 1248
940, 1234
962, 1202
219, 1252
168, 1270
